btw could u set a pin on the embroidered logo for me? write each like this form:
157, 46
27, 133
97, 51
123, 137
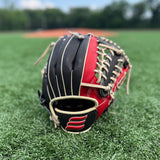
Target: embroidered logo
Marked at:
76, 123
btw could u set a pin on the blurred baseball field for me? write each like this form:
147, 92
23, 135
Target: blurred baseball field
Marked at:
130, 129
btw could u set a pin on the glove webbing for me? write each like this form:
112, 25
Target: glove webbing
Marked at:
105, 59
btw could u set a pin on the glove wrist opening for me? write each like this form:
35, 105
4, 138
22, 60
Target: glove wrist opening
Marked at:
76, 114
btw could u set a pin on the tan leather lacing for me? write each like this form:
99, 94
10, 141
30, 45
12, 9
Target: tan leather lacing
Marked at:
103, 64
44, 53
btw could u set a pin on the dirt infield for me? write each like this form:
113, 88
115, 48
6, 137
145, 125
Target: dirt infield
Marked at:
61, 32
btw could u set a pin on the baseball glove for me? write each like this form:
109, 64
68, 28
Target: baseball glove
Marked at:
80, 79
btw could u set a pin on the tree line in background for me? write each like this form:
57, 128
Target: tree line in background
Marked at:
121, 14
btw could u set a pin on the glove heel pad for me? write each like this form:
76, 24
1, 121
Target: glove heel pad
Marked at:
76, 114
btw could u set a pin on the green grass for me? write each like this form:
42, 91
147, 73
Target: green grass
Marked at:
133, 132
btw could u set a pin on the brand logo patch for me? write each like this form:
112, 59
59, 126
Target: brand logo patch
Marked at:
76, 123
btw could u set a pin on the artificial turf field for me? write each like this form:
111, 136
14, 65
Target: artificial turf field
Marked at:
130, 129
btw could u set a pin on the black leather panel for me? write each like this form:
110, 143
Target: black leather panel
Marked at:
79, 64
